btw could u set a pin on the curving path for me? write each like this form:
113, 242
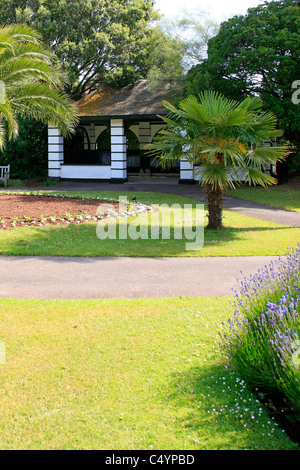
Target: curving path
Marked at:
170, 185
96, 278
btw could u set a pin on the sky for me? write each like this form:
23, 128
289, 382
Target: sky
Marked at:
218, 10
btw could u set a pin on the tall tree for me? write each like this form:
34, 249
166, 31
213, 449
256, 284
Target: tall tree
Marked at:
96, 41
192, 30
225, 139
257, 54
165, 57
31, 83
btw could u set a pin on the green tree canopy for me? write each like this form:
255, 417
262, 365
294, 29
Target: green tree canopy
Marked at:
96, 41
31, 83
224, 138
256, 54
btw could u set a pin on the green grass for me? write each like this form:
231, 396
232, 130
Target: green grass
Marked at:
242, 236
282, 196
124, 374
28, 184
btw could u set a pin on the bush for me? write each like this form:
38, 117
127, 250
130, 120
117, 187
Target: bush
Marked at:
262, 338
27, 154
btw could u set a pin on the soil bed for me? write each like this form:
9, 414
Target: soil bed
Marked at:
36, 210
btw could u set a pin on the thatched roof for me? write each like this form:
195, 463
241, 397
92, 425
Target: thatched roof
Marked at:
128, 101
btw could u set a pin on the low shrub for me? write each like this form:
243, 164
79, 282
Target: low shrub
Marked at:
262, 338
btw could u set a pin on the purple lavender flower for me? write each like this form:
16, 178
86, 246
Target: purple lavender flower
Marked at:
259, 338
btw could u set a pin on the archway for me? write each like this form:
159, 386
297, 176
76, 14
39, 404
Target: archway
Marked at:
103, 147
157, 169
77, 147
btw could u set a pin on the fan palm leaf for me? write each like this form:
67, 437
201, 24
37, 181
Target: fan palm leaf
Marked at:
226, 138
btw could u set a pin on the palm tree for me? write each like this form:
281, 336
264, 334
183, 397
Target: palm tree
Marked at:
224, 139
31, 83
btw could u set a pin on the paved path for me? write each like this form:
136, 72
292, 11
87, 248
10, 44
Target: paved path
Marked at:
170, 186
95, 278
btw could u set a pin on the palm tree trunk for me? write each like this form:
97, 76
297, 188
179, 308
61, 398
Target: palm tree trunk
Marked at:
215, 206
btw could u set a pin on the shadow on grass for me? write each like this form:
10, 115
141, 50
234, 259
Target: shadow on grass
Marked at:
222, 411
81, 240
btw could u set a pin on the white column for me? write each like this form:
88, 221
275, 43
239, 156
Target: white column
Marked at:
186, 171
118, 150
186, 168
55, 152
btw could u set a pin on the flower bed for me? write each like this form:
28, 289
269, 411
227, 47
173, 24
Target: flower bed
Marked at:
40, 209
262, 340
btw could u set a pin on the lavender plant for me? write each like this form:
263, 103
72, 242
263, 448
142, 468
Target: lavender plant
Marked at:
262, 338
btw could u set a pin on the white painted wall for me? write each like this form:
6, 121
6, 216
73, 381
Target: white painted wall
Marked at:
85, 172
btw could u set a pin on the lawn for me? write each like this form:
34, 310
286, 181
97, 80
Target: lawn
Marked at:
282, 196
125, 374
130, 374
242, 235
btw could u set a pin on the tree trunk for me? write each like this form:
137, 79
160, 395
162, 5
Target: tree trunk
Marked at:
215, 205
